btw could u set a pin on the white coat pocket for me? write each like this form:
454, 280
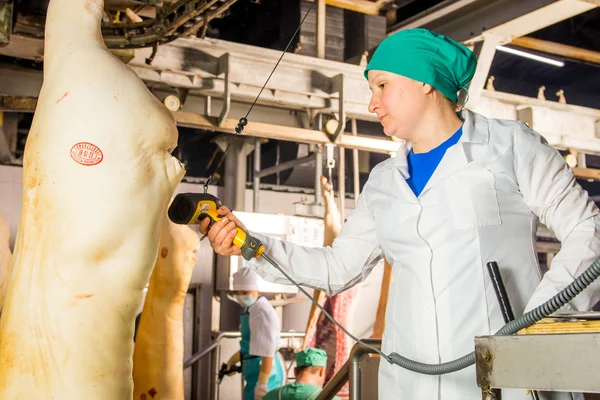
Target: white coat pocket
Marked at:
472, 198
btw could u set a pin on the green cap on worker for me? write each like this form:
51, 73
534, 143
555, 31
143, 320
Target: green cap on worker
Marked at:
427, 57
311, 358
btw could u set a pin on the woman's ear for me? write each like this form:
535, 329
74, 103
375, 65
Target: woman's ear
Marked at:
427, 88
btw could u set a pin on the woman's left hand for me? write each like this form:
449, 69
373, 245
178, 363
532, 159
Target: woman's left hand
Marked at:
260, 391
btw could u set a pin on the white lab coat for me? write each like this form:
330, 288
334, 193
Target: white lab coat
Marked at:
265, 329
481, 204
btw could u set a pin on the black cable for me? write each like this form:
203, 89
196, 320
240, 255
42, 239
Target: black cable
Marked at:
278, 61
244, 120
528, 319
273, 263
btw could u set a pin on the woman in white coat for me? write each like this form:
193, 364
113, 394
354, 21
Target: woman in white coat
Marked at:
463, 191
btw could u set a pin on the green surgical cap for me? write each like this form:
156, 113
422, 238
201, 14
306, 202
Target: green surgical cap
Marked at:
311, 358
426, 57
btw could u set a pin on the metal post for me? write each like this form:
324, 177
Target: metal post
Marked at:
255, 175
234, 195
321, 28
277, 158
338, 83
235, 176
355, 165
318, 163
342, 181
358, 351
207, 106
485, 51
224, 69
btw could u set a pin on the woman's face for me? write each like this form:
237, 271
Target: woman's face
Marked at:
399, 103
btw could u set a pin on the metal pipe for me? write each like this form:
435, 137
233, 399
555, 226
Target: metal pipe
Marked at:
277, 158
321, 9
235, 174
255, 175
342, 182
199, 355
215, 371
208, 106
286, 165
318, 163
355, 166
338, 86
335, 384
355, 377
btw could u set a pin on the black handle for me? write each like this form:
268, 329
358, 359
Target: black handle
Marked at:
505, 307
507, 312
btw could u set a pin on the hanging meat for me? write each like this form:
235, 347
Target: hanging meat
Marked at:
98, 176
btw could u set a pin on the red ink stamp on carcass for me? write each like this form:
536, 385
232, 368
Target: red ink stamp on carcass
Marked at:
87, 154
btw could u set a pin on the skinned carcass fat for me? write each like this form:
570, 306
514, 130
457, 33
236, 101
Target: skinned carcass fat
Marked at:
5, 258
98, 176
158, 354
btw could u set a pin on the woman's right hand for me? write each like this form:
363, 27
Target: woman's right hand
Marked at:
221, 234
326, 188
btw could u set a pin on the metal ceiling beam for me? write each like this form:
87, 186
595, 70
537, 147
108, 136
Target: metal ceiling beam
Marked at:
287, 133
24, 47
299, 82
469, 21
558, 49
587, 173
535, 20
307, 84
253, 129
361, 6
488, 23
17, 104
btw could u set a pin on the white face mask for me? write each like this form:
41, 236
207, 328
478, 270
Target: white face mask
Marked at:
245, 300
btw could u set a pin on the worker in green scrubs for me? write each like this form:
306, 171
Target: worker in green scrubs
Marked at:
310, 376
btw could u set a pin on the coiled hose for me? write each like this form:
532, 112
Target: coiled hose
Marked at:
527, 319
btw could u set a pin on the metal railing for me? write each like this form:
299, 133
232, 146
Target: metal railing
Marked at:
200, 355
216, 345
351, 372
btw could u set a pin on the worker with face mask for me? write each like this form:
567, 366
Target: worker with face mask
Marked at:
463, 190
310, 376
260, 328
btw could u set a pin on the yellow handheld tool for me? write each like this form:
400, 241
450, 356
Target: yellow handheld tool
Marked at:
191, 208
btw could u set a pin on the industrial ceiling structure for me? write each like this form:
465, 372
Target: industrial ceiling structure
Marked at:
207, 59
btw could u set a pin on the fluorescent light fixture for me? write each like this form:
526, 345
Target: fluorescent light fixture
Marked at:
531, 56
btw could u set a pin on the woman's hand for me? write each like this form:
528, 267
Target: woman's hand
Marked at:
326, 188
222, 232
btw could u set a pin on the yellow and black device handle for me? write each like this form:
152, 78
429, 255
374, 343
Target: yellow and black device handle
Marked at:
191, 208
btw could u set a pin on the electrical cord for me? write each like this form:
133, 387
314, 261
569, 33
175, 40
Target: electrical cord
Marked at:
527, 319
